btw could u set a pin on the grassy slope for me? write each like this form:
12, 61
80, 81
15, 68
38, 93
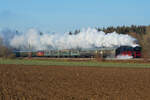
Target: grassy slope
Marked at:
71, 63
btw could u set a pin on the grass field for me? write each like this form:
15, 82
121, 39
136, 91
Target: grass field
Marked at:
73, 63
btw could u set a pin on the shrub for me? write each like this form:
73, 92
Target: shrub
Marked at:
5, 52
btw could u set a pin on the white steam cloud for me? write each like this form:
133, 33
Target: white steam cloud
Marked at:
124, 57
87, 38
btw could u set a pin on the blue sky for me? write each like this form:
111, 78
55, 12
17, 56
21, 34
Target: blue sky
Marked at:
67, 15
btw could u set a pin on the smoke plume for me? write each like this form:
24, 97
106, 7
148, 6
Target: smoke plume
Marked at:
87, 38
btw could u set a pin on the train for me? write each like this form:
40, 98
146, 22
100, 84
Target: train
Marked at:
104, 52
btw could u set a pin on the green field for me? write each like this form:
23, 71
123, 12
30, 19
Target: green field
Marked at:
72, 63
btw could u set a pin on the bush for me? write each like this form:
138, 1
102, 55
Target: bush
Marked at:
5, 52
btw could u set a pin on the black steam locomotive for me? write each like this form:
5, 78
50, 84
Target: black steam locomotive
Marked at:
135, 52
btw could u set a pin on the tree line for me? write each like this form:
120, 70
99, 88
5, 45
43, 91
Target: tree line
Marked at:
125, 29
119, 29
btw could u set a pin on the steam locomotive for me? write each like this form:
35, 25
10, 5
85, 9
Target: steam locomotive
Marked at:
135, 52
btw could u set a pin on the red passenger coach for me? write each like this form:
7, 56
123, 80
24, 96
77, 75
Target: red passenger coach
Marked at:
40, 53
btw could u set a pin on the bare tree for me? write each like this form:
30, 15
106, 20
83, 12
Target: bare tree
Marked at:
144, 40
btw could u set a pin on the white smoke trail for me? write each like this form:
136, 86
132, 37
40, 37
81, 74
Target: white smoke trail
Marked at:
87, 38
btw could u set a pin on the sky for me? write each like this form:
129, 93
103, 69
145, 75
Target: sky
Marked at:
68, 15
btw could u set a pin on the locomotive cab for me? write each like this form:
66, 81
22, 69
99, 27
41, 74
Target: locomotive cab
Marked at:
137, 52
